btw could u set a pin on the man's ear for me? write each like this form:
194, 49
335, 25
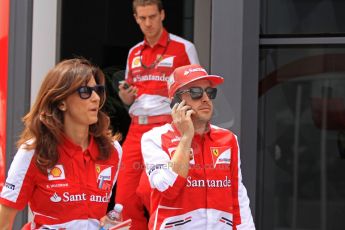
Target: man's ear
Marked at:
162, 15
135, 18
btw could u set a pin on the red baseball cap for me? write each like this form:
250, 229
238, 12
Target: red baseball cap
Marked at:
186, 74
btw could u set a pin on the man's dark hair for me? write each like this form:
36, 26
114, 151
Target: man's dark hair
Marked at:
137, 3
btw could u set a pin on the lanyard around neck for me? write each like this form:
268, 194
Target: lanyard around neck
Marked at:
153, 64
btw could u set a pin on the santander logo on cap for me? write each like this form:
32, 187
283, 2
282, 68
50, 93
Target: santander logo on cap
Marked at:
192, 70
183, 75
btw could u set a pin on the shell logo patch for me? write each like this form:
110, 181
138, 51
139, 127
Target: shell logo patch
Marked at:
136, 62
56, 173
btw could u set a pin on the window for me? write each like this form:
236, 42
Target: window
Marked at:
301, 137
302, 17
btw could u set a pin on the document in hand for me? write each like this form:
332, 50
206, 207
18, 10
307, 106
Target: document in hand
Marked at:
124, 225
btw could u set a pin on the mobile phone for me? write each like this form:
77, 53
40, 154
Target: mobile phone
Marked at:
175, 100
125, 84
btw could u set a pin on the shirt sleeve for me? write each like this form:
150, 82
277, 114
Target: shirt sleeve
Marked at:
192, 54
247, 222
19, 183
118, 150
158, 167
244, 220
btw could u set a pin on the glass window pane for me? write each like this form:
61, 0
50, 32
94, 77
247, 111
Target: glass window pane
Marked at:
300, 17
301, 137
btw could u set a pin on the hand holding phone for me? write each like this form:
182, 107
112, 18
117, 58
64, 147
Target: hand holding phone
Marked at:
125, 84
182, 117
175, 100
127, 92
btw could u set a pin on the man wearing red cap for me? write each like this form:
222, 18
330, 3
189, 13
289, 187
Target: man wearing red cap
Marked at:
194, 167
149, 65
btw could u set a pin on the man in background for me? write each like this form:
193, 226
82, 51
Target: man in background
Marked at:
149, 65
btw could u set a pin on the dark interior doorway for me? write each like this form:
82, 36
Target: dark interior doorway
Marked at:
103, 31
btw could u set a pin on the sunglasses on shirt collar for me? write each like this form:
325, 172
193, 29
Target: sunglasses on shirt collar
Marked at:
197, 92
85, 92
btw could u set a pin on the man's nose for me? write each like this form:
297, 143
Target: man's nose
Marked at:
205, 96
147, 22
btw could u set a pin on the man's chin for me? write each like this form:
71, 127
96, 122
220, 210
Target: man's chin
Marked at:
202, 117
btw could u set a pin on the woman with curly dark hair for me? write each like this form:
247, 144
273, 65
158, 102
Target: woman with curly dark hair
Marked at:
67, 160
